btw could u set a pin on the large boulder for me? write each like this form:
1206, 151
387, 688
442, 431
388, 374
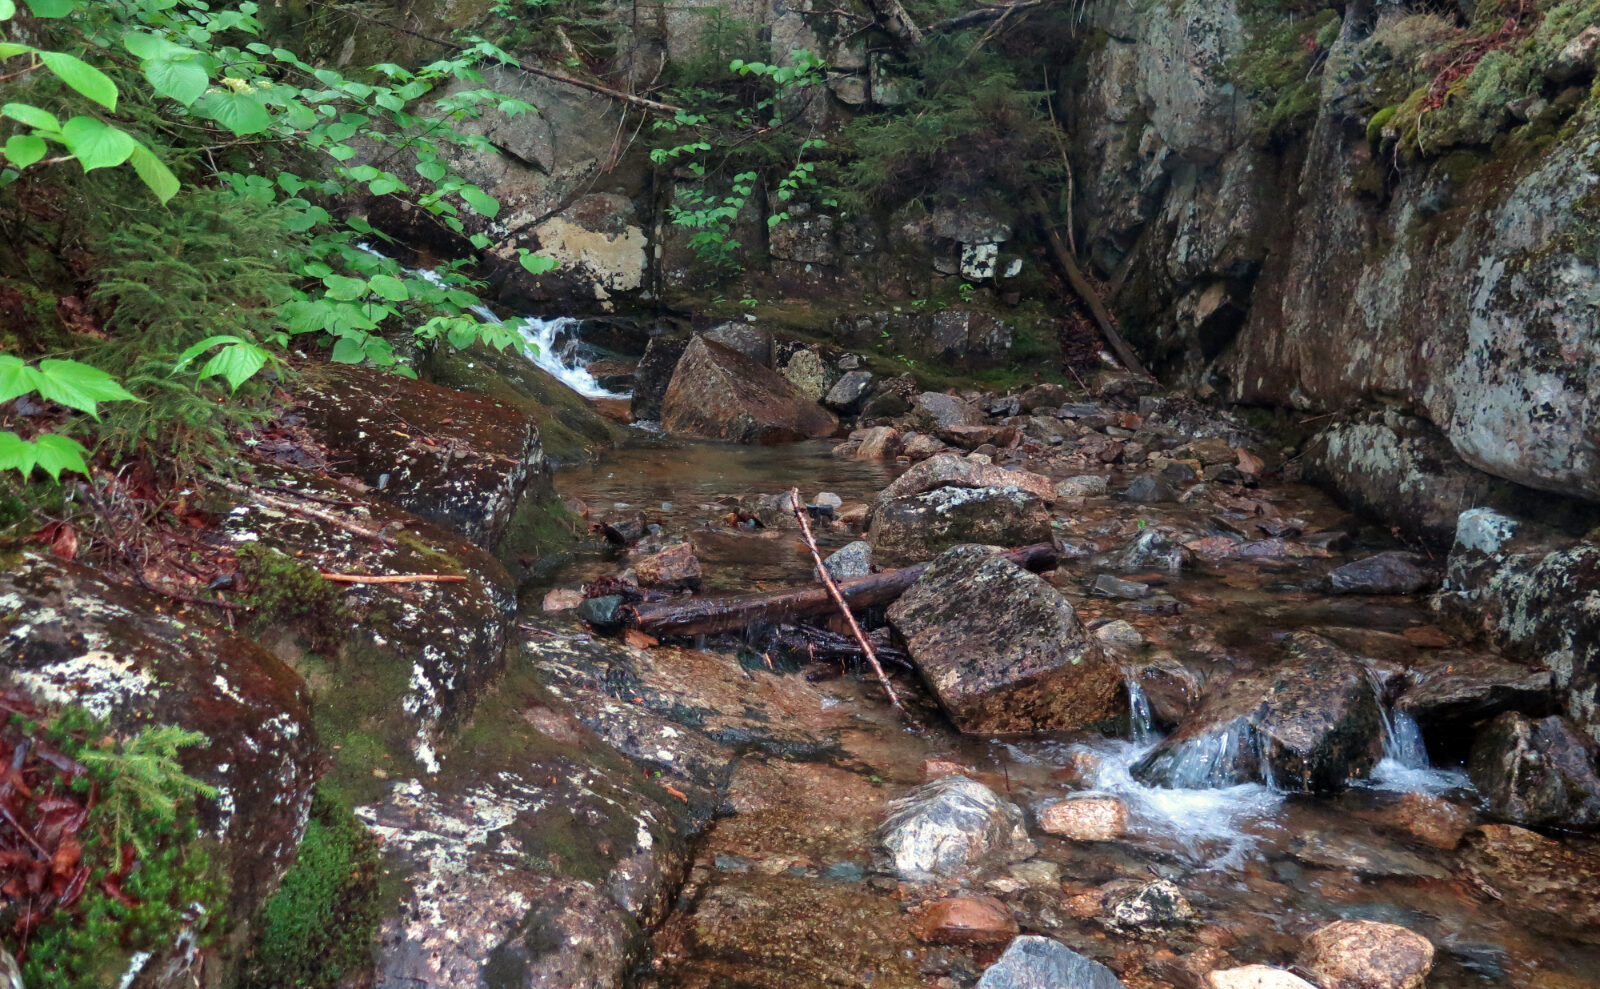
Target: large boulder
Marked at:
455, 459
718, 393
70, 637
1312, 723
933, 411
949, 826
1002, 650
1033, 962
1452, 690
1364, 954
950, 470
1538, 773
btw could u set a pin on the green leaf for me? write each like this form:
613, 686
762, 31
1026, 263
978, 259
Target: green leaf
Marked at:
431, 170
96, 143
196, 349
16, 377
184, 81
78, 386
82, 76
22, 150
17, 454
344, 288
154, 172
31, 116
8, 9
538, 264
348, 351
236, 362
52, 8
390, 288
240, 113
480, 201
57, 453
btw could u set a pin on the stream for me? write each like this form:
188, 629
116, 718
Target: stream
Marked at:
787, 890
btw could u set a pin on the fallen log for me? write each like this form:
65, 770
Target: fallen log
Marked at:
704, 616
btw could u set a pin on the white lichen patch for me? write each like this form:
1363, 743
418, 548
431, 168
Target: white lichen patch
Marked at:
97, 681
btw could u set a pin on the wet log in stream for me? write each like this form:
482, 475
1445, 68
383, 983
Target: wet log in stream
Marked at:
704, 616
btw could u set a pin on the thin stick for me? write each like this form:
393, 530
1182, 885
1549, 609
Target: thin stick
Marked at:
838, 599
397, 578
273, 501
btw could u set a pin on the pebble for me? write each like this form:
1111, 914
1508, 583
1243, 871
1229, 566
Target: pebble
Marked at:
1364, 954
1085, 818
562, 599
966, 920
1254, 977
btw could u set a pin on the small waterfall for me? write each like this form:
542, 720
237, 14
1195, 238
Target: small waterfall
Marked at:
1141, 725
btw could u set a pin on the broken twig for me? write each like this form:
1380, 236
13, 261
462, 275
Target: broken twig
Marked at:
838, 599
273, 501
394, 578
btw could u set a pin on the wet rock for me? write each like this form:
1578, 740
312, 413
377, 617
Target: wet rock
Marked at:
674, 568
1431, 820
1363, 954
973, 437
455, 459
1254, 977
952, 470
1150, 910
1087, 818
828, 500
935, 410
1108, 586
719, 393
921, 446
1154, 549
625, 530
1148, 489
1540, 773
1453, 690
1393, 572
1332, 850
1311, 724
69, 637
1549, 883
776, 511
1002, 650
562, 599
1179, 472
908, 530
810, 377
966, 920
652, 376
1033, 962
1210, 451
1119, 634
1046, 396
1082, 486
848, 392
948, 826
878, 443
885, 405
854, 560
749, 340
604, 613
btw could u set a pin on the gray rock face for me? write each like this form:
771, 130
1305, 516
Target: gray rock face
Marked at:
721, 394
749, 340
847, 393
907, 530
1002, 650
1082, 486
954, 470
1148, 489
1393, 572
936, 410
948, 826
1312, 723
1453, 690
1033, 962
653, 375
853, 560
1537, 773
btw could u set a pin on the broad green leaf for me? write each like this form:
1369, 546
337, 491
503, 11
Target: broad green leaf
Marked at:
52, 8
154, 172
538, 264
31, 116
182, 80
56, 454
462, 334
196, 349
384, 185
143, 44
96, 143
78, 386
480, 201
16, 377
82, 76
17, 453
236, 362
8, 9
431, 170
240, 113
22, 150
348, 351
345, 289
390, 288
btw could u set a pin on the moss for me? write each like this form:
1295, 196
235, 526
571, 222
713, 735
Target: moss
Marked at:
357, 700
540, 536
1279, 69
1377, 125
289, 592
319, 927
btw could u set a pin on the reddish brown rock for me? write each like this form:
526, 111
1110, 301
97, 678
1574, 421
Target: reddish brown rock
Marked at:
966, 920
562, 599
721, 394
1254, 977
1432, 820
921, 446
950, 470
878, 443
1085, 818
1364, 954
674, 568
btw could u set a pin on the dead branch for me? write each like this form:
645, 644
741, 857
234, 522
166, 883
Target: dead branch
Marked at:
1086, 291
682, 617
273, 501
799, 510
396, 578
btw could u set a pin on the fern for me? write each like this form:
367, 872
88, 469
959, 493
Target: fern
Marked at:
145, 777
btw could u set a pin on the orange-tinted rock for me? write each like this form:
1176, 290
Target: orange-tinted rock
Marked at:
721, 394
562, 599
1254, 977
674, 568
1085, 818
966, 920
935, 767
1364, 954
1433, 820
878, 443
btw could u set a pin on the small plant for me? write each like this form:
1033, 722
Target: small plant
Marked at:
965, 290
282, 590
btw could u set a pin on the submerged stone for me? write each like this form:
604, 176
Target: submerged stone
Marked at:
1033, 962
950, 825
1540, 773
1364, 954
919, 527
